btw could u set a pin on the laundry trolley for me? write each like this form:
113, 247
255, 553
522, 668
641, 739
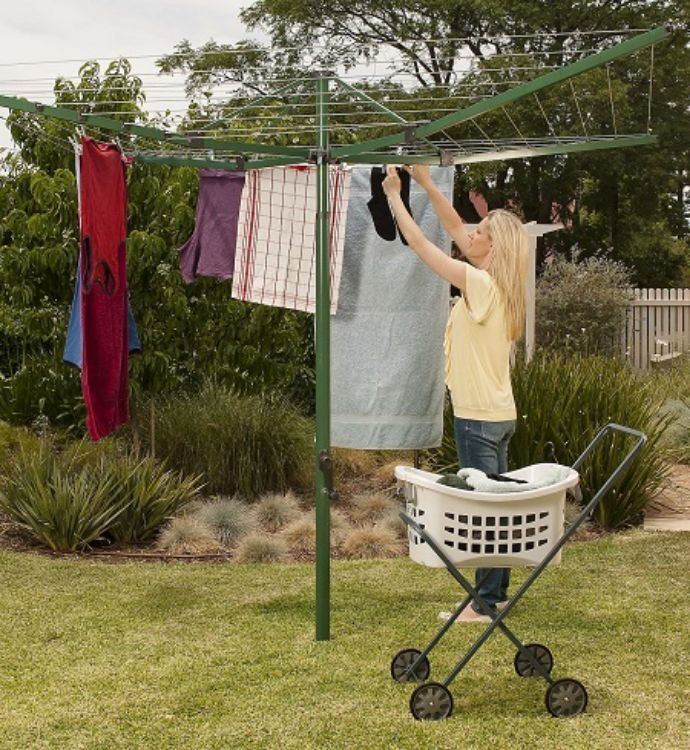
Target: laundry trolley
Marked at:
455, 528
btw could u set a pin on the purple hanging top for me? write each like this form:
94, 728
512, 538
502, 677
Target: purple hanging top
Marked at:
210, 251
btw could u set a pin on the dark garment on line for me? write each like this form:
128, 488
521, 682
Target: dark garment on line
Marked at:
105, 360
210, 251
384, 221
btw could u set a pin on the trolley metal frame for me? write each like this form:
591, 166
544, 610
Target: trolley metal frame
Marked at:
564, 697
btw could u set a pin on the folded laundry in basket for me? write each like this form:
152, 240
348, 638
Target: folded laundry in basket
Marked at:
453, 480
482, 482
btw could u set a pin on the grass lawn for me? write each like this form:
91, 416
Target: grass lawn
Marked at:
204, 656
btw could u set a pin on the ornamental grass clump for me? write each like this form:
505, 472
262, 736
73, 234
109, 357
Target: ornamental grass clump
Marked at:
228, 518
391, 521
261, 548
245, 445
369, 507
370, 543
300, 536
71, 497
274, 511
187, 535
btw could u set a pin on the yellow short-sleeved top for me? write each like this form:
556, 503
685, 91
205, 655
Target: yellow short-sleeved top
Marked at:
477, 350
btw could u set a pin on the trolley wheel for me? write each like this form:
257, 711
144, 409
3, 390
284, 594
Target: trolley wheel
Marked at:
566, 697
403, 660
431, 702
525, 668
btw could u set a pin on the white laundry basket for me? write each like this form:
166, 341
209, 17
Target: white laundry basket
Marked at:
486, 530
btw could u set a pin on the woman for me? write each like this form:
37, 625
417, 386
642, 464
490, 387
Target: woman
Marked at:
480, 333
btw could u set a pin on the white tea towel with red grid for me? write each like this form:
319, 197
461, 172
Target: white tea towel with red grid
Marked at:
275, 259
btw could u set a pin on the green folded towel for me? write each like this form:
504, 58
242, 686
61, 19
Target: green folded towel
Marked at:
453, 480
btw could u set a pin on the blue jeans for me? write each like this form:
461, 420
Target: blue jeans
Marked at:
484, 446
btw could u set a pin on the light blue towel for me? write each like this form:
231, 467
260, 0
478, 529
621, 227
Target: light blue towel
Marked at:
387, 370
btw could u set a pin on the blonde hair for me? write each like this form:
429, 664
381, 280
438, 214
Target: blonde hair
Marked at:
508, 266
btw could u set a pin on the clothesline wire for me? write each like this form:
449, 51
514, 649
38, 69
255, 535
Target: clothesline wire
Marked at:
366, 79
348, 74
371, 64
243, 50
213, 71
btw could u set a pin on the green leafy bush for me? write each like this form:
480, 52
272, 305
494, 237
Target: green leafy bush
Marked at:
562, 403
68, 499
244, 445
150, 495
65, 510
42, 387
580, 305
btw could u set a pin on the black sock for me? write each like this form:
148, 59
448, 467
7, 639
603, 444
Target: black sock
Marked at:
378, 206
405, 195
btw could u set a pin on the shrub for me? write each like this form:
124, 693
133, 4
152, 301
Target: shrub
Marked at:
42, 387
259, 548
580, 305
228, 518
244, 445
116, 495
349, 463
150, 494
186, 535
367, 508
562, 403
274, 511
678, 435
371, 543
63, 509
340, 526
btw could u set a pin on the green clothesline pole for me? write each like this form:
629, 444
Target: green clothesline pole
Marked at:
323, 373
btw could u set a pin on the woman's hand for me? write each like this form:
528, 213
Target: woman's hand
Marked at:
420, 173
391, 185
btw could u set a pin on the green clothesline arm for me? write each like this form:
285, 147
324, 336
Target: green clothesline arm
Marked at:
377, 105
517, 92
559, 148
117, 126
187, 161
449, 157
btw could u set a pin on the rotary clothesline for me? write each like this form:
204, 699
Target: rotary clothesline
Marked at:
415, 132
390, 148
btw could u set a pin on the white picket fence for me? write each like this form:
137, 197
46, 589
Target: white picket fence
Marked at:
657, 327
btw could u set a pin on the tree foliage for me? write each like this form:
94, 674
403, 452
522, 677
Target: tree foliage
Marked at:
188, 333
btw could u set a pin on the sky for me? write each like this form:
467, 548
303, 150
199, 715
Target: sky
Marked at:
40, 32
